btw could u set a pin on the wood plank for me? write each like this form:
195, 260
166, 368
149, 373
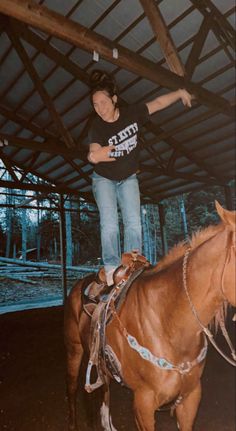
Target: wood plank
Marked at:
163, 36
44, 265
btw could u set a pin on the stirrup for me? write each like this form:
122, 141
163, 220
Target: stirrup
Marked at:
90, 387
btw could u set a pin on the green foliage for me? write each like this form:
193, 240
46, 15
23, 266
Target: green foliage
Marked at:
199, 209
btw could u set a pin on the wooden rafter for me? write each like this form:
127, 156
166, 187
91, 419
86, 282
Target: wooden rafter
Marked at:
18, 119
50, 51
51, 148
217, 30
33, 159
48, 146
163, 36
188, 154
172, 159
9, 167
58, 187
177, 174
78, 35
222, 26
197, 47
42, 188
40, 88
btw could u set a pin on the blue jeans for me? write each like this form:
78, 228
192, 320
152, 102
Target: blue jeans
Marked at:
108, 195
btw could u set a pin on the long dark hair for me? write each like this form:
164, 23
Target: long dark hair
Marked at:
100, 80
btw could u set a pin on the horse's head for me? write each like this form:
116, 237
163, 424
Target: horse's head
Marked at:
229, 276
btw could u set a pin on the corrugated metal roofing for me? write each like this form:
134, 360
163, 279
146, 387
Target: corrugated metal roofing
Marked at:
182, 149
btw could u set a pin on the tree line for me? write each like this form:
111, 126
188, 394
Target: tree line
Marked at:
35, 233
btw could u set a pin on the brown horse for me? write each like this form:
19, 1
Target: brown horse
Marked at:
157, 335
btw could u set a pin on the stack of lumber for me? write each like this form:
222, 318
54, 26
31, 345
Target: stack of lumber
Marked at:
28, 272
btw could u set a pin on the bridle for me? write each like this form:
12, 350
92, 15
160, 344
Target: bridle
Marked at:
206, 330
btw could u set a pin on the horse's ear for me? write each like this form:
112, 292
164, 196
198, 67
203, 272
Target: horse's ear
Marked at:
228, 217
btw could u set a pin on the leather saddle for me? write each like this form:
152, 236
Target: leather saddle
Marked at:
98, 289
101, 312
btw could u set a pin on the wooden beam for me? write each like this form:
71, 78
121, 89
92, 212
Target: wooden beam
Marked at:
180, 189
9, 167
197, 47
34, 187
40, 88
223, 26
57, 25
177, 174
188, 154
48, 146
163, 36
18, 119
50, 51
219, 34
33, 159
163, 135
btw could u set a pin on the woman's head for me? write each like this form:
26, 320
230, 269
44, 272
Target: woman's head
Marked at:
103, 94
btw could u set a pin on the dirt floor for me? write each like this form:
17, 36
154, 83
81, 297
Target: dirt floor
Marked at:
32, 382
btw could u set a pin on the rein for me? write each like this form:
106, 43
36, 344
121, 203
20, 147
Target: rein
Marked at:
206, 330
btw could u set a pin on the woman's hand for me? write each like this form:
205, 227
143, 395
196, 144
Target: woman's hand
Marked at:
186, 97
100, 154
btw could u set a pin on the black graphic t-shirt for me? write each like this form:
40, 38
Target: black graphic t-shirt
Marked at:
124, 134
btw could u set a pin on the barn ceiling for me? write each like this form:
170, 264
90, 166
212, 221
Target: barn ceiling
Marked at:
47, 51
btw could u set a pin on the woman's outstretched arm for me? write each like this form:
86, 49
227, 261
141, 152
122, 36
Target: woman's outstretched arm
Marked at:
168, 99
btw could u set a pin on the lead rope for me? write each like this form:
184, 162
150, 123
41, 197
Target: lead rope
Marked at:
205, 330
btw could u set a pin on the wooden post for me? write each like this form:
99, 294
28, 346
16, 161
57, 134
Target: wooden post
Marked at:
229, 197
38, 233
23, 231
63, 246
69, 242
161, 210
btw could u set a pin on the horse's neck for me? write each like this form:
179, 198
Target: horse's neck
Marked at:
204, 276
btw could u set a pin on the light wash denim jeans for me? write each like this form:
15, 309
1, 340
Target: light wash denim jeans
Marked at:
108, 195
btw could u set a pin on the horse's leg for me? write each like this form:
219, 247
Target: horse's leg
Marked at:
187, 410
74, 323
106, 419
144, 409
74, 357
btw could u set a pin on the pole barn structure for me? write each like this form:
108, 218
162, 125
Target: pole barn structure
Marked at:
48, 48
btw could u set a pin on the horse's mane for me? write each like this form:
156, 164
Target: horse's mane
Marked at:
196, 240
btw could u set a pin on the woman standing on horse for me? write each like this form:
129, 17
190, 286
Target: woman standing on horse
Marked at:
114, 151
